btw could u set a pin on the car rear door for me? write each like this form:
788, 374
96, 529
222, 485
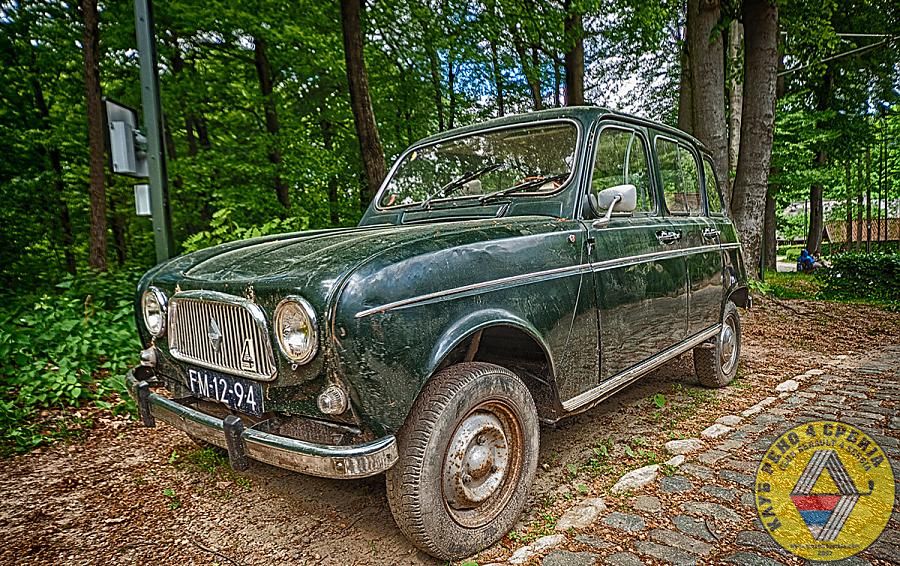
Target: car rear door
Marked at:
697, 237
640, 285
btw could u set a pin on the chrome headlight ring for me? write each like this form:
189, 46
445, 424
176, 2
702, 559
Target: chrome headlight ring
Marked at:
153, 306
296, 330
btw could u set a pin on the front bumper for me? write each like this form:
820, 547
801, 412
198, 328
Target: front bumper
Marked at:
347, 462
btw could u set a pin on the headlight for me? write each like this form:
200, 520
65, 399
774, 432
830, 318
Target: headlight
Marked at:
153, 304
295, 329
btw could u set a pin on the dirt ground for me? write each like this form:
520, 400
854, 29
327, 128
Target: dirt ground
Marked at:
129, 495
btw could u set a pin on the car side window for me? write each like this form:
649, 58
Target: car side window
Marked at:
713, 196
680, 178
621, 159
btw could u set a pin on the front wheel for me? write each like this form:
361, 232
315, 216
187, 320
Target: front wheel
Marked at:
468, 453
716, 364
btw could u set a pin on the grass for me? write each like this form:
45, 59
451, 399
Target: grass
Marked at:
210, 462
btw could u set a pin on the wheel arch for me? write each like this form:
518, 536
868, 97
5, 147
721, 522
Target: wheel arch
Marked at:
500, 337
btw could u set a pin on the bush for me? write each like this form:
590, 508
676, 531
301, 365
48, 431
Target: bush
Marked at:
855, 275
63, 349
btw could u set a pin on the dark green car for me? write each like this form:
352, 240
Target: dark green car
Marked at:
513, 272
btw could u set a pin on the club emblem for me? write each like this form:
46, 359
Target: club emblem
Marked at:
824, 490
825, 495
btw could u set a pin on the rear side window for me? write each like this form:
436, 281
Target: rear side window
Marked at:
680, 178
621, 159
713, 196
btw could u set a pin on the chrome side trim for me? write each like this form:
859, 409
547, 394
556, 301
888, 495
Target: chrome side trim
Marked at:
625, 378
537, 276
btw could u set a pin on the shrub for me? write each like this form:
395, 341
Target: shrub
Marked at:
63, 349
856, 275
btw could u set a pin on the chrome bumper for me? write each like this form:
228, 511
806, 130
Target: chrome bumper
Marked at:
346, 462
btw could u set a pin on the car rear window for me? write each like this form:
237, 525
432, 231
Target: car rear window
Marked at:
680, 178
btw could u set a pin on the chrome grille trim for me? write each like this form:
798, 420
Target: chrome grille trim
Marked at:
238, 320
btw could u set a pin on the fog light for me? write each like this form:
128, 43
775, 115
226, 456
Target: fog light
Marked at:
333, 401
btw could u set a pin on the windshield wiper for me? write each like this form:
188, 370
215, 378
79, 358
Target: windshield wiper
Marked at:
522, 187
455, 184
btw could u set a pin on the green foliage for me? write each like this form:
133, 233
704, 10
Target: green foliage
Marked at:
223, 229
62, 349
870, 277
659, 400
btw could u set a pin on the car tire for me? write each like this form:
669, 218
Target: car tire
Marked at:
716, 364
468, 452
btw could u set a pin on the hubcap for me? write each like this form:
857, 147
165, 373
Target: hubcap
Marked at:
728, 345
481, 465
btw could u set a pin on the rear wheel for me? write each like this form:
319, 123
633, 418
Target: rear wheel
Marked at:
468, 453
716, 364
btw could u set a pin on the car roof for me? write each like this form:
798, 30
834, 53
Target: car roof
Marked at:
582, 113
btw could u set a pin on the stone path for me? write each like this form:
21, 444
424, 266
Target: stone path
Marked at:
702, 511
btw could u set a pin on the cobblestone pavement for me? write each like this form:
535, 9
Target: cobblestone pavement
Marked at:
704, 512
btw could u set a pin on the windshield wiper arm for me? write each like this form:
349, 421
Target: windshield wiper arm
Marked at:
455, 184
523, 186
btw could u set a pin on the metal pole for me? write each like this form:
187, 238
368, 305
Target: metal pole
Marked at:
156, 159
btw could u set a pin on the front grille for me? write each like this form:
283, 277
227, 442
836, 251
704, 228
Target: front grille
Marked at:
229, 334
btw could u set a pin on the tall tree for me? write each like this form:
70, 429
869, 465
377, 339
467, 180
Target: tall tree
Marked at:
574, 37
94, 104
361, 101
266, 87
817, 189
707, 64
757, 124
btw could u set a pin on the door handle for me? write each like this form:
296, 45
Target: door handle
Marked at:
710, 233
668, 236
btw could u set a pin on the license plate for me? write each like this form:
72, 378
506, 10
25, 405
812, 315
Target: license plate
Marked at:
239, 394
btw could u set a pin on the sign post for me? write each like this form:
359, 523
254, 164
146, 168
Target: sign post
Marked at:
150, 102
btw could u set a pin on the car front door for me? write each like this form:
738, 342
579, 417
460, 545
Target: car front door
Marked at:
640, 285
697, 236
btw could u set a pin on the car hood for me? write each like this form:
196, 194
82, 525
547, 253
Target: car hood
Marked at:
314, 262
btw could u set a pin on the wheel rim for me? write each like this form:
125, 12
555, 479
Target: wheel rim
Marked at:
482, 464
728, 345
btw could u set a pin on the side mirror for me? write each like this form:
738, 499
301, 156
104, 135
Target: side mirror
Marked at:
621, 198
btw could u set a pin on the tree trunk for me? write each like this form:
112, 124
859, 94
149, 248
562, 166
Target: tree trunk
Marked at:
333, 202
868, 198
757, 125
849, 215
816, 190
498, 79
557, 83
574, 36
451, 90
735, 92
685, 92
51, 153
266, 87
360, 101
816, 213
708, 86
770, 239
94, 106
435, 67
859, 201
531, 77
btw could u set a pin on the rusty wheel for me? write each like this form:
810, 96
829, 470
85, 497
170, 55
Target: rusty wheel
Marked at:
482, 464
468, 454
716, 363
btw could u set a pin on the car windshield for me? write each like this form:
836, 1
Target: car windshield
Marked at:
483, 163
